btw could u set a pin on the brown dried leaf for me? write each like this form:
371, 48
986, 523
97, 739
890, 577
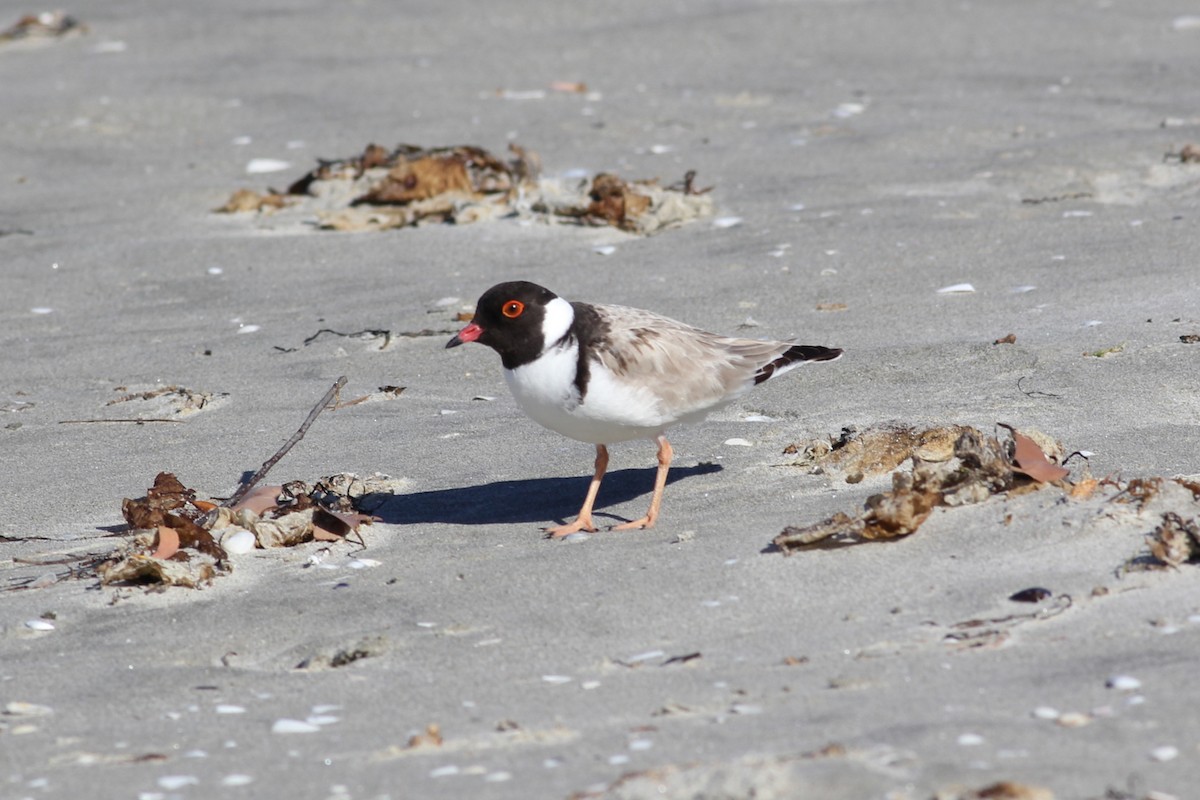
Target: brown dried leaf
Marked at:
832, 307
332, 526
1009, 339
1030, 460
167, 494
193, 537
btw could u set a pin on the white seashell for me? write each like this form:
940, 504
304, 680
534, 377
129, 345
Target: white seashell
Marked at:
363, 563
1164, 753
498, 777
641, 744
1069, 214
557, 678
172, 782
239, 542
577, 536
237, 779
726, 222
322, 719
604, 250
39, 625
1046, 712
17, 708
41, 310
739, 443
757, 418
618, 759
230, 709
1074, 719
1023, 289
957, 288
294, 726
1124, 683
444, 772
745, 708
970, 740
589, 685
257, 166
847, 110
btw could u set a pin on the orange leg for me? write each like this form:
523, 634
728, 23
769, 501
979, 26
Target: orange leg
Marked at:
665, 454
584, 521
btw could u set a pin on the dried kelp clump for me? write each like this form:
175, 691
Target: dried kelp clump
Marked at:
180, 540
977, 467
381, 189
47, 25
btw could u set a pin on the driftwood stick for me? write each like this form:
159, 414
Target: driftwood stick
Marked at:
249, 484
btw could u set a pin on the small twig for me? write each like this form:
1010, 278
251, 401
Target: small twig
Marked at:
1035, 392
245, 488
129, 420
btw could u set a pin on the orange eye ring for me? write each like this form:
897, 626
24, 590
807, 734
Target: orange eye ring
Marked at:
513, 309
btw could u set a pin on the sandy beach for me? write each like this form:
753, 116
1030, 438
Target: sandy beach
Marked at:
910, 181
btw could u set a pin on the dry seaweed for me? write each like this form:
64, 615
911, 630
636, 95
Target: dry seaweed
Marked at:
381, 189
975, 468
1176, 540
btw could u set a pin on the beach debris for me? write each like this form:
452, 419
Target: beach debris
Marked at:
1029, 457
181, 540
431, 737
1190, 338
286, 726
1188, 154
971, 470
1105, 352
1176, 540
957, 288
382, 189
1034, 594
1002, 790
46, 25
860, 454
995, 631
1009, 339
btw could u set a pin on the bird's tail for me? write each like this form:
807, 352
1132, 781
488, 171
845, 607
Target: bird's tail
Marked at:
793, 357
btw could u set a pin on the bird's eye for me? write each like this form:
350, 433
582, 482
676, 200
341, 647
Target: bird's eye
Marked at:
513, 309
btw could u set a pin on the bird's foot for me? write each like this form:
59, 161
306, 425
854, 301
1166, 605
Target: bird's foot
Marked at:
637, 524
581, 524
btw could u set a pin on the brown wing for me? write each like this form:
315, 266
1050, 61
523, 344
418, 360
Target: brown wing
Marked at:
692, 369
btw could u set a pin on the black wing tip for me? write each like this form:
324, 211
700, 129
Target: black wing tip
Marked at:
812, 352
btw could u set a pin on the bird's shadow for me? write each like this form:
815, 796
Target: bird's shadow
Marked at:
531, 500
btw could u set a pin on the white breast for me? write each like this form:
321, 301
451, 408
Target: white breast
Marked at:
545, 390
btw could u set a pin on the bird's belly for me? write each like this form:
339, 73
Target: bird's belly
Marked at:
608, 413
